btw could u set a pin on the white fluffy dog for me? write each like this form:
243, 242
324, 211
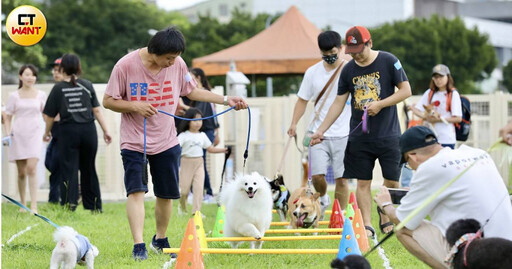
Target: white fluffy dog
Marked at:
248, 202
72, 248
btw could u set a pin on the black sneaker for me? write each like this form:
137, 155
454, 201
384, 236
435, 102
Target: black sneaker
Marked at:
140, 252
157, 245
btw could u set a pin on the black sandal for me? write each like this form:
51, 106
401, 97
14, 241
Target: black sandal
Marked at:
370, 228
383, 225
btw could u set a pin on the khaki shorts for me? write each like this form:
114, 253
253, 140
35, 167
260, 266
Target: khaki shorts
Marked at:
432, 241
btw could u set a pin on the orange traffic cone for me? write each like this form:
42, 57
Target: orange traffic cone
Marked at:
353, 201
348, 244
190, 253
336, 220
360, 232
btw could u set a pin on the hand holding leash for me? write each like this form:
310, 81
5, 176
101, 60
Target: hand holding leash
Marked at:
317, 138
374, 108
237, 102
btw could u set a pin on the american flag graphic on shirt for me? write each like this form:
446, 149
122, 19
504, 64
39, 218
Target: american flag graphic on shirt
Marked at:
152, 93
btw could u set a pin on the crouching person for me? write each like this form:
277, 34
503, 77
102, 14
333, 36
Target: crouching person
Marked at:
479, 193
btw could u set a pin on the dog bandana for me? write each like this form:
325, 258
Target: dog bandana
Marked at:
462, 242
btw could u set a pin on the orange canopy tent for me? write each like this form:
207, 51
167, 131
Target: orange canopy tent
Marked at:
288, 46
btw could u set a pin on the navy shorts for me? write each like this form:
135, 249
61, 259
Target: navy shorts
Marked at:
360, 157
164, 169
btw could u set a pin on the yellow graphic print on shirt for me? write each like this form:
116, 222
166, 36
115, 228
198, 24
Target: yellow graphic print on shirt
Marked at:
366, 89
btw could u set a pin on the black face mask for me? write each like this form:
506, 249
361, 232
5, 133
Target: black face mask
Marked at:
330, 59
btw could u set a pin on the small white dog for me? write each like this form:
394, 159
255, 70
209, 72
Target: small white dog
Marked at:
72, 248
248, 202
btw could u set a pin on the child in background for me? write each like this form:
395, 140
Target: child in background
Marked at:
441, 85
192, 143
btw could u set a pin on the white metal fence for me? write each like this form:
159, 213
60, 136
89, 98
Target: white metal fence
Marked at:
270, 120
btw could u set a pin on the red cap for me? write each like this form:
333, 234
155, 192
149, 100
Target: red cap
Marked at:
57, 62
355, 38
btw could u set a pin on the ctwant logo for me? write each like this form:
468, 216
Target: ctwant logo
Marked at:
26, 25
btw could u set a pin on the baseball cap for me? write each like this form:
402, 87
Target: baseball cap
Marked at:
56, 62
441, 69
415, 138
355, 38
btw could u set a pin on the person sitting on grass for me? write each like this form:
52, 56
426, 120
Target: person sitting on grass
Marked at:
479, 193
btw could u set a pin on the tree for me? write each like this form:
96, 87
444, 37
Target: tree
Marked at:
422, 43
507, 76
101, 32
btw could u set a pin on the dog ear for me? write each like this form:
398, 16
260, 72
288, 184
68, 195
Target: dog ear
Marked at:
337, 264
279, 180
303, 193
315, 196
459, 228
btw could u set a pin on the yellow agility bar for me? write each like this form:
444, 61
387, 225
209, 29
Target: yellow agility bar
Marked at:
275, 238
326, 211
284, 223
256, 251
290, 231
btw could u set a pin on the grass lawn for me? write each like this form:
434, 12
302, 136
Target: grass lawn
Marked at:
111, 234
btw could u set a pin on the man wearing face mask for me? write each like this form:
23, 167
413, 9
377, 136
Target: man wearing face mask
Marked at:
320, 84
371, 78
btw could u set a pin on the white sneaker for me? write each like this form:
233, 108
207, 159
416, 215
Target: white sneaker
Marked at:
325, 202
190, 198
209, 199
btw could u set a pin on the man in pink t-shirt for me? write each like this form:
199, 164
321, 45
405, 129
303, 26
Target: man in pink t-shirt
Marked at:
143, 82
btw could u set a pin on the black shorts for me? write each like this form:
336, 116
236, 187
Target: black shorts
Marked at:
360, 158
164, 169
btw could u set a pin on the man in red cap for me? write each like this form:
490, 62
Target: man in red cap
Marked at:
371, 78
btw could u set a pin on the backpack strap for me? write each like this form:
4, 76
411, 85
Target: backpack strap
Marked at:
329, 81
448, 99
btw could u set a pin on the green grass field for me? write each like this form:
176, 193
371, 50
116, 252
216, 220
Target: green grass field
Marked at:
111, 234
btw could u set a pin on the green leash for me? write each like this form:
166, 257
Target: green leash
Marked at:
421, 207
28, 210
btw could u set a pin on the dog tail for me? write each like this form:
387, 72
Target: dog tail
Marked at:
305, 168
64, 233
95, 251
460, 228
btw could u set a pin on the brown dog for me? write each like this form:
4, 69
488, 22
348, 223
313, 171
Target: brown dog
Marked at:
303, 206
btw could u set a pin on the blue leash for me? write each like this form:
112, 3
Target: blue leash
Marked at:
26, 208
246, 153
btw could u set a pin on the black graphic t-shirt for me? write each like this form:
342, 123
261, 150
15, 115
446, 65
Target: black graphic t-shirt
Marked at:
73, 103
374, 82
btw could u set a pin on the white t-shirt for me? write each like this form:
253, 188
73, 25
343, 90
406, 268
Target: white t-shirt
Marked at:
480, 193
313, 82
445, 132
192, 144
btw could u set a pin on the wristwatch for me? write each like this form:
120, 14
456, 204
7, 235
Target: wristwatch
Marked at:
225, 100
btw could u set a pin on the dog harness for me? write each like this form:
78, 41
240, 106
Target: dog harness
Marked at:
463, 241
82, 245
